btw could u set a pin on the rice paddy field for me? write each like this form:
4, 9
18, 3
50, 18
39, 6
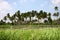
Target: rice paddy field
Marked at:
48, 33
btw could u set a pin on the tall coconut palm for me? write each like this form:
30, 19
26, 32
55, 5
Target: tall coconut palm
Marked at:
56, 14
49, 14
33, 13
24, 15
50, 20
19, 16
1, 22
8, 15
45, 15
12, 19
56, 8
40, 15
29, 14
5, 18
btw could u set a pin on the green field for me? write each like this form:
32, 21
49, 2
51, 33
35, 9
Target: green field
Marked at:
27, 26
30, 34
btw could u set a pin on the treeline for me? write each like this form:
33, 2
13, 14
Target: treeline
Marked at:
26, 18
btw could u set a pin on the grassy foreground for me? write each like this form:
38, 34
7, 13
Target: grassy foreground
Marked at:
30, 34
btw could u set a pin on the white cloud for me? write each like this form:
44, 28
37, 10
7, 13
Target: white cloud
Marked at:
5, 5
4, 8
55, 1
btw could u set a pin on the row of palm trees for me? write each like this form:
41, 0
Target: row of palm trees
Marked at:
18, 18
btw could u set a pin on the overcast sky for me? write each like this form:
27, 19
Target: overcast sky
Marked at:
11, 6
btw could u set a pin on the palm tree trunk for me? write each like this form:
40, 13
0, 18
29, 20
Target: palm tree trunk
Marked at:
30, 22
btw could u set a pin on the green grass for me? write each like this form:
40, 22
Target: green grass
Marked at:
30, 34
26, 26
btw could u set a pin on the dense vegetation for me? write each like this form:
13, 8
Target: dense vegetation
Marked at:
30, 34
21, 18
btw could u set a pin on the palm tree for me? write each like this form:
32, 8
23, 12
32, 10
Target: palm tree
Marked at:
5, 18
29, 14
50, 20
8, 15
19, 16
33, 13
12, 19
40, 15
45, 15
49, 14
24, 15
56, 14
1, 22
56, 8
59, 19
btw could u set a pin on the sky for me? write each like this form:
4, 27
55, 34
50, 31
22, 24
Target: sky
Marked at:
11, 6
